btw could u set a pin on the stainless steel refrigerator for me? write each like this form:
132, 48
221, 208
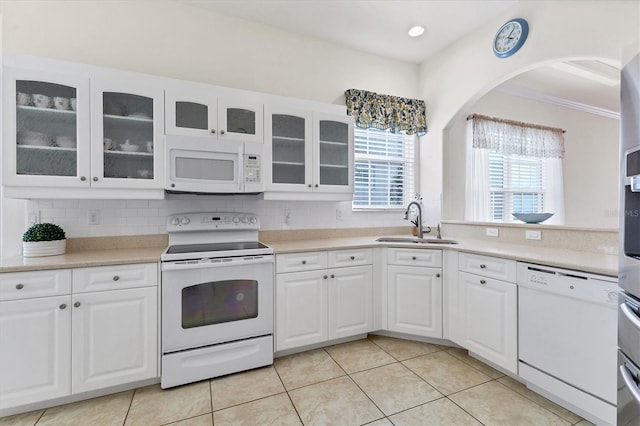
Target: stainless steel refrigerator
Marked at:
629, 255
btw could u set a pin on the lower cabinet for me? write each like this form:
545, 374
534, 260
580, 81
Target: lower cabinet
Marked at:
71, 342
321, 304
414, 291
488, 310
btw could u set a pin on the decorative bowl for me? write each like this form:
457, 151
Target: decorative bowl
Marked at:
532, 217
128, 147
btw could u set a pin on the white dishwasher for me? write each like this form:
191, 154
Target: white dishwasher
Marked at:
567, 336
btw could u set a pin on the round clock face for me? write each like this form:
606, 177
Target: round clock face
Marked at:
510, 37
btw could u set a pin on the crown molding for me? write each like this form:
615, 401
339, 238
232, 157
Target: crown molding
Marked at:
543, 97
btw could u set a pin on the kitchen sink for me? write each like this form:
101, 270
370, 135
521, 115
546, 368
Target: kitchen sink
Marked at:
414, 240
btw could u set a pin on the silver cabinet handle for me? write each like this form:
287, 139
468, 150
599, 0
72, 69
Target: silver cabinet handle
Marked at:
333, 276
317, 185
353, 258
630, 383
95, 178
437, 275
19, 286
83, 178
304, 262
63, 306
483, 282
213, 131
77, 304
482, 266
222, 132
116, 278
414, 258
309, 185
325, 277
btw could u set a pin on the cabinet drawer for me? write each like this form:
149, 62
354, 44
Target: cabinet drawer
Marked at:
493, 267
351, 257
117, 277
414, 257
26, 285
296, 262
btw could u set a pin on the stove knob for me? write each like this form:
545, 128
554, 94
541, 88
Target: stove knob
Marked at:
184, 221
254, 220
245, 219
236, 219
174, 221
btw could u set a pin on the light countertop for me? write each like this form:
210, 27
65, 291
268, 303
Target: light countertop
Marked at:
598, 263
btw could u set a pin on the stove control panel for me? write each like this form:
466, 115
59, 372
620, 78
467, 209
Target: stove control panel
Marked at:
212, 221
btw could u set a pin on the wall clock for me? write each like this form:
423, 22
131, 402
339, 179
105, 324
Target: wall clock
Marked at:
510, 37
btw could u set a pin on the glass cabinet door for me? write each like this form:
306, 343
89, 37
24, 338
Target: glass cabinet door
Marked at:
126, 134
333, 138
288, 150
240, 119
191, 111
45, 129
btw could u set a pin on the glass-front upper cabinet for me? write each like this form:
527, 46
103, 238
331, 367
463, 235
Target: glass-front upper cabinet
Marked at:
333, 151
288, 151
197, 110
127, 134
46, 133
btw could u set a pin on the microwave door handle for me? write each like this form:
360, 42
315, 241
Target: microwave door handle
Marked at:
240, 168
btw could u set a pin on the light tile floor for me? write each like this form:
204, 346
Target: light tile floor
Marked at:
375, 381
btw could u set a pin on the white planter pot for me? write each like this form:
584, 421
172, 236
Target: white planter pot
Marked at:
43, 248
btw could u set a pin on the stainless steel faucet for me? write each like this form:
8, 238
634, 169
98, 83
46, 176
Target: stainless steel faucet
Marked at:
406, 216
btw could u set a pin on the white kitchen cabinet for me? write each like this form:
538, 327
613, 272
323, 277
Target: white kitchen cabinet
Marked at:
487, 316
414, 291
198, 110
315, 304
57, 118
308, 153
59, 336
32, 131
114, 338
35, 359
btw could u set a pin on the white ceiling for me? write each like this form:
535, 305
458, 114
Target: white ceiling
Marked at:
380, 27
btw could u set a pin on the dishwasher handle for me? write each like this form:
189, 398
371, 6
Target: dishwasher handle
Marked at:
629, 382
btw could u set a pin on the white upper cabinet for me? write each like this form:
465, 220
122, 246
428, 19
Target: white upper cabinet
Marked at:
197, 110
46, 129
308, 153
126, 134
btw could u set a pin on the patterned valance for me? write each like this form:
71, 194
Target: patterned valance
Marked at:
387, 112
515, 137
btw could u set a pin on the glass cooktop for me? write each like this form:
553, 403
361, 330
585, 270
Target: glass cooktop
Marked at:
215, 247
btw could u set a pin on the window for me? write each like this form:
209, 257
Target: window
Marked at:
516, 185
384, 169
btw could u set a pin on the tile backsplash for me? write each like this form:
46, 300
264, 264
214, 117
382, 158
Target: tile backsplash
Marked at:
144, 217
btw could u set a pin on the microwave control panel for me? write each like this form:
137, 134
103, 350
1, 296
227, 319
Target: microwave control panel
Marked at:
252, 168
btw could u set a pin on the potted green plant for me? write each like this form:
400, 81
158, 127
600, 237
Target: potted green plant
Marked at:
43, 239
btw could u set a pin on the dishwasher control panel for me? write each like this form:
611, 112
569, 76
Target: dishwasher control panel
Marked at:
574, 284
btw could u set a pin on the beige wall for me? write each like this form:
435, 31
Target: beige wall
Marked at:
171, 39
461, 74
590, 165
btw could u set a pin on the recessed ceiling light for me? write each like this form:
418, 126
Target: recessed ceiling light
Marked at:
416, 31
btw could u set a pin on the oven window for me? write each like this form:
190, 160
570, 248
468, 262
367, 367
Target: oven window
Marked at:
219, 301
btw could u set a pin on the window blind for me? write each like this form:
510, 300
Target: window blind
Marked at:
384, 169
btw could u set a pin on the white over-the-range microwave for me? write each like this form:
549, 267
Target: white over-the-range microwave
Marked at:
211, 166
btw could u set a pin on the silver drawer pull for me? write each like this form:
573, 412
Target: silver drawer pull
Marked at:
116, 278
19, 286
482, 266
63, 306
414, 258
333, 276
304, 262
325, 277
353, 258
437, 275
483, 281
77, 304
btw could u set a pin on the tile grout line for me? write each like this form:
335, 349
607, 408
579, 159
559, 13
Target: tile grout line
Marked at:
287, 392
130, 405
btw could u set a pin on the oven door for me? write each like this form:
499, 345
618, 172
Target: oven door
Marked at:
196, 164
216, 301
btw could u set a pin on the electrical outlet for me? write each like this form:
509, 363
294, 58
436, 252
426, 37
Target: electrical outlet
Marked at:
493, 232
93, 217
338, 214
287, 216
533, 235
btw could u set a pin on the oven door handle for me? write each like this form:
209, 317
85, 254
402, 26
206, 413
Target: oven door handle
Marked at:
626, 310
176, 266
